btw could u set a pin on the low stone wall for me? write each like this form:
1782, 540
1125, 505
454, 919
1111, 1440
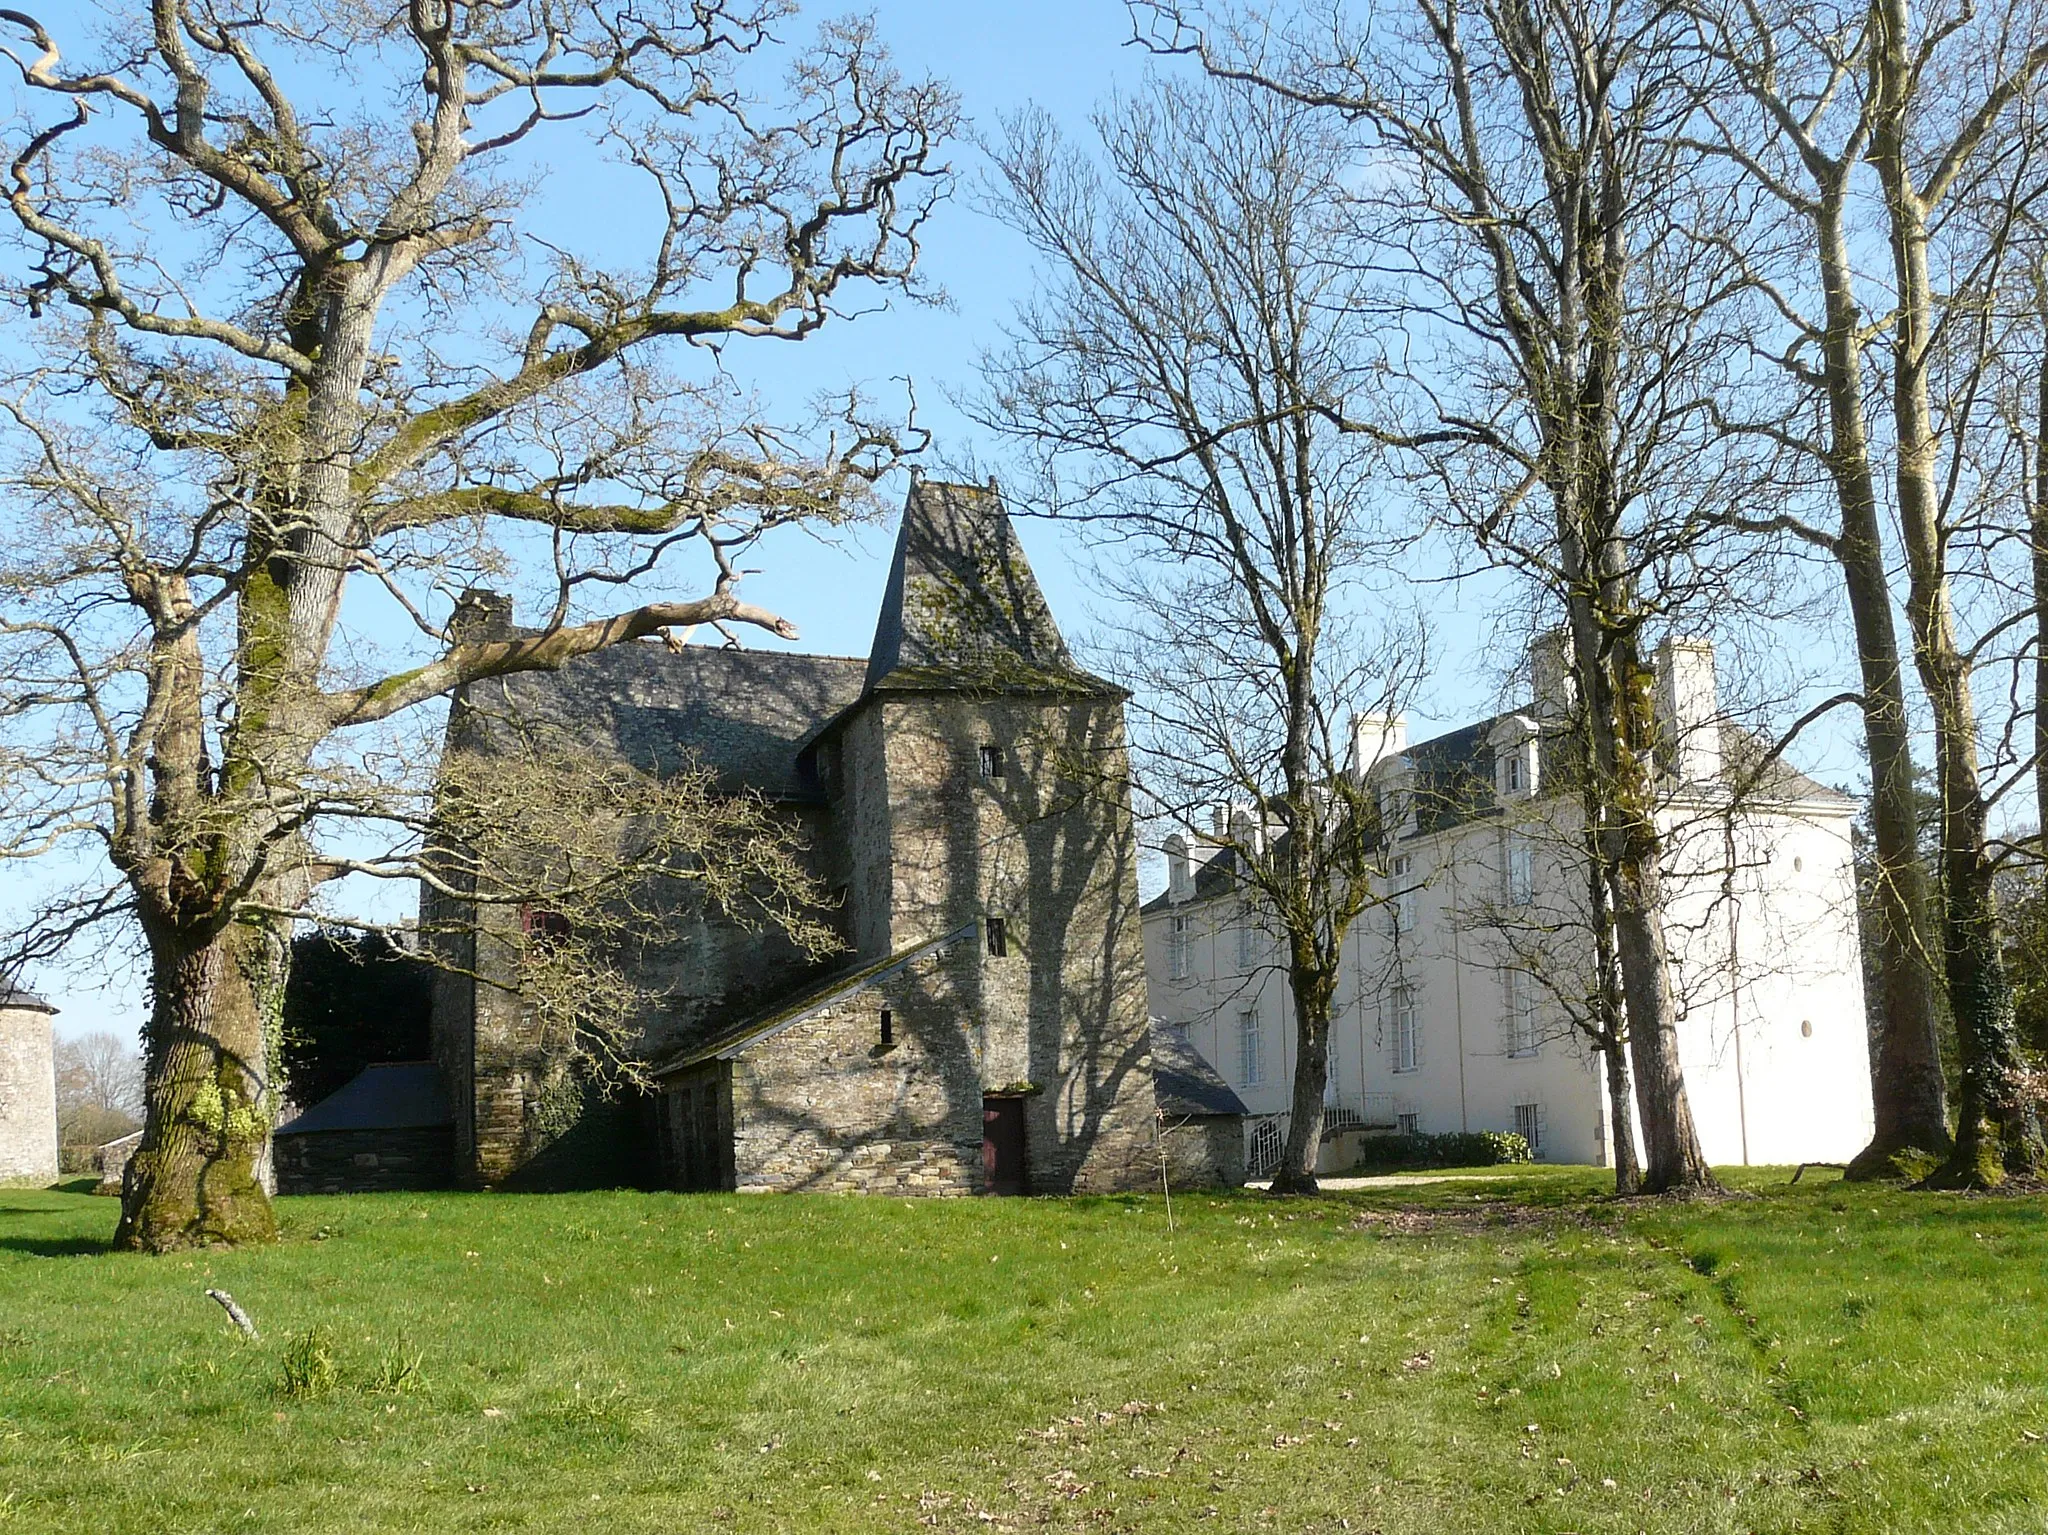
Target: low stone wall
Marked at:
365, 1161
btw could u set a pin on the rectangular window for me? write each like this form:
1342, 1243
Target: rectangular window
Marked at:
1407, 1030
888, 1027
991, 762
1511, 773
1529, 1125
1519, 867
1177, 948
998, 937
1251, 1049
1247, 944
1410, 1124
1400, 907
1518, 993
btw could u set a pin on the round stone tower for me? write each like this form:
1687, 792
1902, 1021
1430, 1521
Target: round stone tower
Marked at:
28, 1089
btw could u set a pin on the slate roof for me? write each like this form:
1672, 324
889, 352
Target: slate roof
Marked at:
1187, 1086
740, 713
1453, 785
27, 1001
962, 608
403, 1095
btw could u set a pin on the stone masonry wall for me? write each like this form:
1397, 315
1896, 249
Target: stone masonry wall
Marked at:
825, 1105
1050, 848
1206, 1153
28, 1097
365, 1161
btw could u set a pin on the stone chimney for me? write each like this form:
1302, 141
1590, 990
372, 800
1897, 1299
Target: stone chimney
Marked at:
1374, 738
1688, 711
1551, 688
480, 615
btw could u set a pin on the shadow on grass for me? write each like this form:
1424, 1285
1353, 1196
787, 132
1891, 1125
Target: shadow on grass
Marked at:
58, 1247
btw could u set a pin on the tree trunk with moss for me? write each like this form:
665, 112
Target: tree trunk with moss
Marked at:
1997, 1128
196, 1178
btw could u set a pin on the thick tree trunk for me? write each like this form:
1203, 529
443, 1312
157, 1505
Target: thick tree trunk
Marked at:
1296, 1173
1909, 1098
194, 1181
1907, 1092
1628, 1172
1670, 1140
1995, 1128
2040, 535
1621, 727
1979, 997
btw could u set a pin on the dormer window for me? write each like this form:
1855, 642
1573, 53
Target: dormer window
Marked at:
1514, 758
1180, 874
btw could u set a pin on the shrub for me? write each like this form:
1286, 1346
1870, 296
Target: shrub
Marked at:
1459, 1148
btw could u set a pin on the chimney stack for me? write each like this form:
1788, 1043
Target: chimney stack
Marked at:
1551, 688
1374, 738
1688, 710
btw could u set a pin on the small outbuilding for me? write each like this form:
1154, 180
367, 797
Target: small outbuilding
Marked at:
390, 1129
1201, 1120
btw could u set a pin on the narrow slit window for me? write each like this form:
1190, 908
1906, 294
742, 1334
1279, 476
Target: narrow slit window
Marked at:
998, 938
991, 762
888, 1027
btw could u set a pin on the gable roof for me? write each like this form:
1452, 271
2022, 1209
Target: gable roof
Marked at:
742, 714
403, 1095
834, 989
962, 608
1184, 1081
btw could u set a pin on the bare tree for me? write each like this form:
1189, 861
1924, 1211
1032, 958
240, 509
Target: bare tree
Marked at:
1177, 381
302, 321
1557, 329
1930, 107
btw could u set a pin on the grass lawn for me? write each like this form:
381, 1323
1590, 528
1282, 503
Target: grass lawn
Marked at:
1509, 1355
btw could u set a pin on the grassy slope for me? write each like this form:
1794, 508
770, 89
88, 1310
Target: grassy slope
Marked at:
1819, 1358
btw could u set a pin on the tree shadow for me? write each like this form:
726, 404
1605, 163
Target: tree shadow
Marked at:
57, 1247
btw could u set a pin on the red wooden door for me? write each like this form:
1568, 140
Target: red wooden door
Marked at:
1002, 1145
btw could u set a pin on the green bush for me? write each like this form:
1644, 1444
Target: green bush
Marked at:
1459, 1148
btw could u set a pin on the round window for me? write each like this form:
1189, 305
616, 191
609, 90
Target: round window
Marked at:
1806, 1028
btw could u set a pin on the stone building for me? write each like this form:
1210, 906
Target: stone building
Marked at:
387, 1129
1454, 1006
28, 1089
963, 796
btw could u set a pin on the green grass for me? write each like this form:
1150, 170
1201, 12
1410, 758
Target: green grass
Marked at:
1512, 1355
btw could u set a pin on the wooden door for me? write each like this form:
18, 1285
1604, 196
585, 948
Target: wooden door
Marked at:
1002, 1145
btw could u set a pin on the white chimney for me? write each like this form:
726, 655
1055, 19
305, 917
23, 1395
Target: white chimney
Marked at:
1687, 709
1375, 737
1551, 688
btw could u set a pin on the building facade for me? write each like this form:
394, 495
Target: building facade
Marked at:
960, 798
1464, 991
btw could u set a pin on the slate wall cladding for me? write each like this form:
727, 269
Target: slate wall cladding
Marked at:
365, 1161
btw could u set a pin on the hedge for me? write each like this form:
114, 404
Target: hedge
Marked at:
1462, 1148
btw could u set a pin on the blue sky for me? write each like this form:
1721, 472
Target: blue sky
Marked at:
1064, 57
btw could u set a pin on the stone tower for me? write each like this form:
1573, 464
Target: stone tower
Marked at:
985, 778
28, 1089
